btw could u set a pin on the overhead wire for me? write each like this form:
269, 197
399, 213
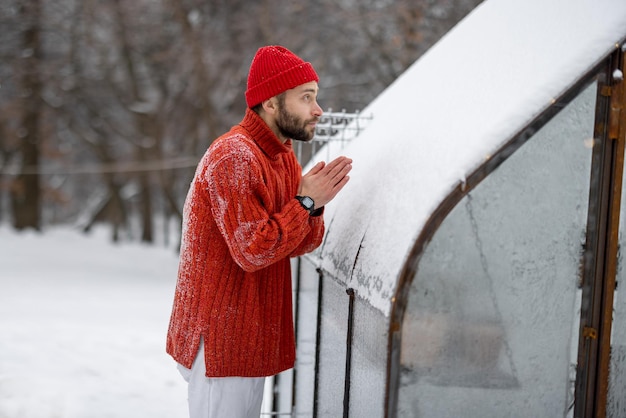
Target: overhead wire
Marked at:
105, 168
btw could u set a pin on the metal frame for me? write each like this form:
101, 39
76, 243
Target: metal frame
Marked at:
600, 261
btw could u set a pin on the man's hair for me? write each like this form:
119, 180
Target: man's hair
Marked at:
257, 108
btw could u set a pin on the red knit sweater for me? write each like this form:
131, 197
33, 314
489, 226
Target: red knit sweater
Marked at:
241, 225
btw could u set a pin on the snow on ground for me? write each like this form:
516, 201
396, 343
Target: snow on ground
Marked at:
83, 325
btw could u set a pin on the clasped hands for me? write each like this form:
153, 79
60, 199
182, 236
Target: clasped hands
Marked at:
325, 180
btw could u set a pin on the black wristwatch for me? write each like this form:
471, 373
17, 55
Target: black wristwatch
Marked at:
307, 203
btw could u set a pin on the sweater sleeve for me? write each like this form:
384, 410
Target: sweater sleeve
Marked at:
313, 239
256, 232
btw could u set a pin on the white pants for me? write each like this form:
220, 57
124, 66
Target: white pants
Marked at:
221, 397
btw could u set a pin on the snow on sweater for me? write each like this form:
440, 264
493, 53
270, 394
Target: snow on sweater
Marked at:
241, 225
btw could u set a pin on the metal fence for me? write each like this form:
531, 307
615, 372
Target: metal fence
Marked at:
336, 128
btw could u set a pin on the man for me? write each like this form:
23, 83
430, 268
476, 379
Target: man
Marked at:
248, 210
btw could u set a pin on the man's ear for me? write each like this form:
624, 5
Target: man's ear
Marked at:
270, 105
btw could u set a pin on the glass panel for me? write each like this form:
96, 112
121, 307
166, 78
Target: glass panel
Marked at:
369, 361
616, 406
332, 346
492, 319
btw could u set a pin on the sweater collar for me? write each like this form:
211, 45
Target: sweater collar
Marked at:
263, 135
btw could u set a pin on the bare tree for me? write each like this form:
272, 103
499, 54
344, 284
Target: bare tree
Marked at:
25, 189
106, 106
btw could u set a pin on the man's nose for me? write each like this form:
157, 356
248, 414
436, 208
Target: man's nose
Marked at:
317, 110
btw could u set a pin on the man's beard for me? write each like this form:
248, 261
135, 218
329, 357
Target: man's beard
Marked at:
291, 126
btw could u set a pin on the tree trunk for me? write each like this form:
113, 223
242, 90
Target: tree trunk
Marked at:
25, 190
142, 128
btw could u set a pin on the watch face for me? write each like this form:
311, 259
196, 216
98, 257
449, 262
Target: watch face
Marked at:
308, 202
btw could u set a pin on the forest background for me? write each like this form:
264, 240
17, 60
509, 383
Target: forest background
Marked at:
106, 106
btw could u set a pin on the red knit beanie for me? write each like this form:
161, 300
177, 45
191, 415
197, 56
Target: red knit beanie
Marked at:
274, 70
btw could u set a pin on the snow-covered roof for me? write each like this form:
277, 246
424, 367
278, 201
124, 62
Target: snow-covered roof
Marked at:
483, 82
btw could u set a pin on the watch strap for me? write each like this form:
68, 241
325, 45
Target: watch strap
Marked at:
310, 207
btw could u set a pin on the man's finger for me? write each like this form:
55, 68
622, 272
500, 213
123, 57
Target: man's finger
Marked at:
316, 168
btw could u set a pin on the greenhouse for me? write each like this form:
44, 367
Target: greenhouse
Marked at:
472, 267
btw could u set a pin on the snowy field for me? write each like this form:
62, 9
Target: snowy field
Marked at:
83, 325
